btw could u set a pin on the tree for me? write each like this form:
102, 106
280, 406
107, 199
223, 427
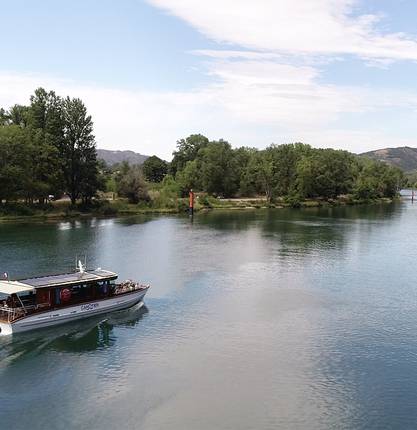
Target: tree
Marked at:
187, 150
325, 173
44, 120
155, 169
131, 184
284, 160
376, 179
218, 168
259, 174
4, 117
190, 177
242, 157
79, 163
16, 161
18, 115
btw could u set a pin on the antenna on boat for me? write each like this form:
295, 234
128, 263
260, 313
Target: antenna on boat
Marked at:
81, 267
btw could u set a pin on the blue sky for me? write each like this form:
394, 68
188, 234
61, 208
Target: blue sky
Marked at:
332, 73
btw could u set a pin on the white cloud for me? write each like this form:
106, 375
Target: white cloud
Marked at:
316, 27
265, 91
250, 103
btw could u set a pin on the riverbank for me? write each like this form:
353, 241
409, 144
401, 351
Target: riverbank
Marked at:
119, 207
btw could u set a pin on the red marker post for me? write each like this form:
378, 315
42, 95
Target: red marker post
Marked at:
191, 206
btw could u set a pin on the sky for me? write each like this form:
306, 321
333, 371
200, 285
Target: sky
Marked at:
331, 73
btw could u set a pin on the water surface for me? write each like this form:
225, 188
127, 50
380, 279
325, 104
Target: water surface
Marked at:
298, 319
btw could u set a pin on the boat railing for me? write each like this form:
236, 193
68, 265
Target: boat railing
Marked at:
128, 286
11, 314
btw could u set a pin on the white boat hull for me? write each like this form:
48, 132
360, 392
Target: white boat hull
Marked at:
72, 313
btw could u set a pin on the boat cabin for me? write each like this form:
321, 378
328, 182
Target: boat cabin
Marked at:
32, 295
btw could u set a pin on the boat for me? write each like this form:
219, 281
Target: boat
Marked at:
55, 299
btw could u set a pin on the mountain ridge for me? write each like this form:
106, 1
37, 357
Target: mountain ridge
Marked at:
404, 157
112, 157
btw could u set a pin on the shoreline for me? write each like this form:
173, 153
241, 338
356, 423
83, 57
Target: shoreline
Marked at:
223, 204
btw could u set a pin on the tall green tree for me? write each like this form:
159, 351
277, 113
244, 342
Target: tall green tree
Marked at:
16, 155
44, 120
284, 161
155, 169
259, 175
219, 173
187, 150
79, 163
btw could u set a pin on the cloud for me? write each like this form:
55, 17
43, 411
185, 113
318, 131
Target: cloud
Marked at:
249, 103
266, 83
319, 27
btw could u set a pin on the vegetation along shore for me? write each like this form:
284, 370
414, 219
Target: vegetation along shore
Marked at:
49, 168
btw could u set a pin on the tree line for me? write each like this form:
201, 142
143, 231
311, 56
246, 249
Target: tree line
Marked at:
294, 171
48, 148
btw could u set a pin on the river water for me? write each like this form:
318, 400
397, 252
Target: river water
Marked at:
256, 319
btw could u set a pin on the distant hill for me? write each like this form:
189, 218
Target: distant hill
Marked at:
114, 157
405, 157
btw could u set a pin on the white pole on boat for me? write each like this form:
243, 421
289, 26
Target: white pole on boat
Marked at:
23, 306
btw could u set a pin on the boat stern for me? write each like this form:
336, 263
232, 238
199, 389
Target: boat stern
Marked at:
5, 329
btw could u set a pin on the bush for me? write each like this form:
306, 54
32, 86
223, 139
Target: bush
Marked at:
133, 186
293, 200
16, 209
205, 201
107, 209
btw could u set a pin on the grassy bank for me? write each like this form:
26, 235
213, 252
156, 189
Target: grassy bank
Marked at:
120, 207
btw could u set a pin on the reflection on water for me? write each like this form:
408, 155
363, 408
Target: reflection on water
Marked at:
298, 319
75, 337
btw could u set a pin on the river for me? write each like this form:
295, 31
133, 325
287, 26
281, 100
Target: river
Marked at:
256, 319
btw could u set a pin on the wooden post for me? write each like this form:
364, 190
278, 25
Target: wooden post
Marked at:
412, 195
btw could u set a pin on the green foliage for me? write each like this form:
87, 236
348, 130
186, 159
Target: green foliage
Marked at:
187, 150
170, 186
190, 177
131, 184
155, 169
168, 195
325, 173
259, 175
79, 164
218, 165
16, 154
293, 171
273, 171
377, 179
48, 148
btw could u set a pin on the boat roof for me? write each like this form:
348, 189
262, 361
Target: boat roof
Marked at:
67, 279
14, 287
